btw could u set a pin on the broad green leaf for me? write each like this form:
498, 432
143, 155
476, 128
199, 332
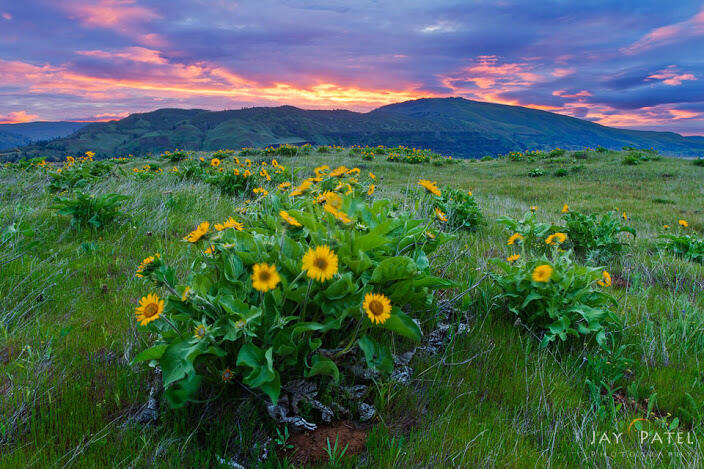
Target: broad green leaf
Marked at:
401, 323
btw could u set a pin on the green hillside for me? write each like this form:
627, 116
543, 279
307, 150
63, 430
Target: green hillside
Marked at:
452, 126
15, 135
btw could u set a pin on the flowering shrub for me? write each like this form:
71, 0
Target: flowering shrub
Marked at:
74, 175
313, 281
683, 245
87, 209
595, 237
460, 209
556, 298
527, 232
176, 155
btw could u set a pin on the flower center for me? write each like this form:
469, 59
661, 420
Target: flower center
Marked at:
321, 263
150, 310
264, 276
376, 308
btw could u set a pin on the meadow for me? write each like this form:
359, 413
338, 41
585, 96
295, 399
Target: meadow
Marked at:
560, 357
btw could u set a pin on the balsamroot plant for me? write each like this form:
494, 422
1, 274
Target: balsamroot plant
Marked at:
557, 298
454, 208
314, 282
595, 237
683, 245
89, 210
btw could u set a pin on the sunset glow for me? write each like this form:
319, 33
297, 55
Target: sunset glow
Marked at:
106, 59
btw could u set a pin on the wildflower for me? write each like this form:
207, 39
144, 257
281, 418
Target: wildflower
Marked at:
606, 279
201, 158
429, 186
561, 238
289, 219
149, 309
339, 171
227, 375
667, 227
260, 190
229, 223
186, 292
70, 159
135, 170
565, 208
236, 172
371, 175
321, 170
371, 189
378, 307
514, 237
320, 263
198, 233
246, 173
274, 163
265, 277
440, 214
284, 185
683, 223
625, 217
303, 187
340, 215
469, 193
332, 198
542, 273
430, 235
513, 258
533, 208
353, 171
199, 332
263, 173
145, 263
209, 251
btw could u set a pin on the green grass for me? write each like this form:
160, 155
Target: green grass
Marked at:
492, 398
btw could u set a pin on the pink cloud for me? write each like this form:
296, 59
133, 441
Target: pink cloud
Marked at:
133, 54
668, 34
6, 16
670, 76
565, 94
563, 72
682, 114
18, 117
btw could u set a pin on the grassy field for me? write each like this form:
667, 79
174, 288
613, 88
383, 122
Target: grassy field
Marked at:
491, 398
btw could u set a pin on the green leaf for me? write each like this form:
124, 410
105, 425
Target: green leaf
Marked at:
152, 353
401, 323
174, 363
182, 391
377, 356
233, 267
260, 363
323, 366
395, 268
340, 287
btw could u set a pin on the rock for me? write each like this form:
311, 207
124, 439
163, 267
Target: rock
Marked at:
366, 412
150, 413
231, 463
402, 374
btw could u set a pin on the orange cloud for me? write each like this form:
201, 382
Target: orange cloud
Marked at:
669, 76
668, 34
682, 114
18, 118
134, 54
563, 72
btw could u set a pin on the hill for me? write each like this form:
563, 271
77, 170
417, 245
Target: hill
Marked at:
454, 126
15, 135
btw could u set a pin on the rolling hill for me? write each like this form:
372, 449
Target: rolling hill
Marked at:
15, 135
453, 126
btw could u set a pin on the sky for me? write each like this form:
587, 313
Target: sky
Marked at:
633, 63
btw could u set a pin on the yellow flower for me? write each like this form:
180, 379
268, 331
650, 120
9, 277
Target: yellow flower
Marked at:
667, 227
236, 172
186, 292
246, 173
340, 215
513, 258
439, 213
215, 162
274, 163
284, 185
377, 307
542, 273
320, 263
199, 332
260, 190
514, 237
145, 263
625, 217
469, 193
209, 251
371, 175
353, 171
304, 186
429, 235
201, 158
533, 208
332, 198
289, 219
339, 171
429, 186
265, 277
71, 159
683, 223
561, 238
371, 189
149, 309
198, 233
229, 223
606, 279
320, 170
565, 208
263, 173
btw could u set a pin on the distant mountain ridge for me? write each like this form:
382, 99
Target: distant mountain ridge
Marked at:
452, 126
16, 135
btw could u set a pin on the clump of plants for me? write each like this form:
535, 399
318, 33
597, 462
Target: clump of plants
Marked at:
536, 172
683, 245
176, 155
89, 210
699, 161
77, 174
561, 172
456, 209
596, 237
313, 284
528, 232
556, 297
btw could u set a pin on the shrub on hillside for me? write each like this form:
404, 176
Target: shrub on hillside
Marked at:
536, 172
699, 161
595, 237
459, 208
89, 210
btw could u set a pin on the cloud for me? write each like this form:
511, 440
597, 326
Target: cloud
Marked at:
670, 76
6, 16
17, 117
439, 27
563, 72
668, 34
